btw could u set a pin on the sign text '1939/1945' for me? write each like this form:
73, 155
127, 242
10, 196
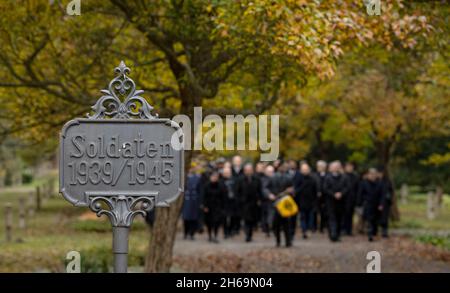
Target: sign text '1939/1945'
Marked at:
107, 159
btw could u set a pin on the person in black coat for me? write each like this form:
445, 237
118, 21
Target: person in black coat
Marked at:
204, 179
230, 201
371, 197
336, 188
320, 175
236, 218
279, 184
249, 189
350, 201
305, 187
292, 168
288, 178
267, 202
387, 191
259, 172
214, 196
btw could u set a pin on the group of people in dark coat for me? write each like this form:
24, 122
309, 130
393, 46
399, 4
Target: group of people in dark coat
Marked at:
238, 196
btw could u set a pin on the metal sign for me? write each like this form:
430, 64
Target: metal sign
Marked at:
121, 161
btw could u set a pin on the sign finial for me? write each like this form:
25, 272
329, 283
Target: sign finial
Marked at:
110, 105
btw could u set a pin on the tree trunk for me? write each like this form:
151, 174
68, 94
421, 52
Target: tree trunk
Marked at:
162, 235
384, 159
395, 212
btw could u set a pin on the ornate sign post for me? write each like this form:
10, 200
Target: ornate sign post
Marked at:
121, 161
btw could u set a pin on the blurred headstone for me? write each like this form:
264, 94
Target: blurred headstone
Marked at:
22, 213
8, 222
404, 192
43, 192
431, 205
47, 189
31, 204
17, 177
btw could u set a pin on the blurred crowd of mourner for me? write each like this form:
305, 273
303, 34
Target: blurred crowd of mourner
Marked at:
235, 196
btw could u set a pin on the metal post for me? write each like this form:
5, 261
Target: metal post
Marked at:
121, 211
120, 248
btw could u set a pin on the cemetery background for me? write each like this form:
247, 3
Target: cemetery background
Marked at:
373, 90
419, 244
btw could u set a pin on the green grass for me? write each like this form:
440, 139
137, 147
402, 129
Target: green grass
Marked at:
102, 226
439, 241
57, 229
413, 214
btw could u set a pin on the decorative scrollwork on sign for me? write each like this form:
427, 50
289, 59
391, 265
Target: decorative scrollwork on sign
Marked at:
111, 106
121, 209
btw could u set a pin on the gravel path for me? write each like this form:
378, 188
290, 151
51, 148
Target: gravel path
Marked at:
316, 254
